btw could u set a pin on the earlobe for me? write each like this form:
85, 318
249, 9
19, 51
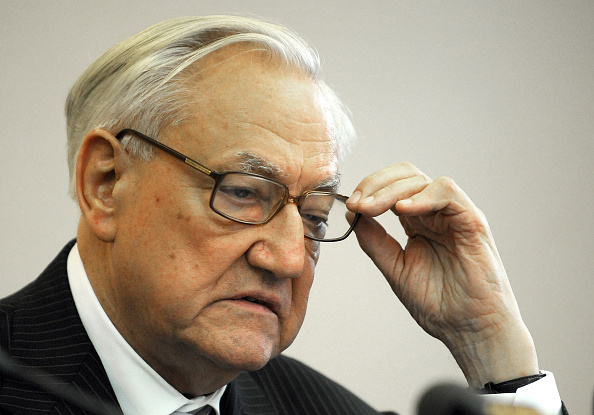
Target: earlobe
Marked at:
96, 177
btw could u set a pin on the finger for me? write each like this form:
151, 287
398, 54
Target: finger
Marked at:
442, 194
386, 197
381, 247
381, 190
384, 177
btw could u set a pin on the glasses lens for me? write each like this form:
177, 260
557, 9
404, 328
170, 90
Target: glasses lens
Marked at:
252, 199
247, 198
324, 216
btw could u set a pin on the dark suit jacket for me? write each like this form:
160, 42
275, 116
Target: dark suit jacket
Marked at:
40, 326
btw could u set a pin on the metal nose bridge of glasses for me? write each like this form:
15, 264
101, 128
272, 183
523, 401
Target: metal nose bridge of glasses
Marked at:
218, 176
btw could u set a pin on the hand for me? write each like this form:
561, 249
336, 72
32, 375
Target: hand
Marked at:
449, 276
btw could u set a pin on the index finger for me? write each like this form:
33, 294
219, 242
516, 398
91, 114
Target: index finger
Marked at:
381, 190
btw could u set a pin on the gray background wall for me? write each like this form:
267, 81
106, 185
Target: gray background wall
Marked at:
499, 95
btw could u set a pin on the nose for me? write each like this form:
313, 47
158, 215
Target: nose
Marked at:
280, 248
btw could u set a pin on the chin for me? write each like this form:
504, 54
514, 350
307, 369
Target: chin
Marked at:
251, 357
244, 353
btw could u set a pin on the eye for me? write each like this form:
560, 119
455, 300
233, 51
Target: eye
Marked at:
238, 192
315, 219
239, 196
315, 224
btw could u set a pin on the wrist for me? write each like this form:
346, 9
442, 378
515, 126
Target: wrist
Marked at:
510, 354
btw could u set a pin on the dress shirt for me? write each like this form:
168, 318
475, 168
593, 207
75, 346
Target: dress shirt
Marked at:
541, 395
139, 389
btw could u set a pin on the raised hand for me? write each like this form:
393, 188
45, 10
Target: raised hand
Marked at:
449, 275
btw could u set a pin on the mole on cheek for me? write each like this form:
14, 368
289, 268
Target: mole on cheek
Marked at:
180, 216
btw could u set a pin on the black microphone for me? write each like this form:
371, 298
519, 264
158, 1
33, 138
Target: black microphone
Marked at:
450, 399
11, 368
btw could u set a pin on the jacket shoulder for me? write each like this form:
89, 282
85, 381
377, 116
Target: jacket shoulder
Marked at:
41, 329
49, 292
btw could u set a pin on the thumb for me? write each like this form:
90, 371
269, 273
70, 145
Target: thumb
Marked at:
385, 251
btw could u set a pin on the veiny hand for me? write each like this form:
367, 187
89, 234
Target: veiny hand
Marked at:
449, 276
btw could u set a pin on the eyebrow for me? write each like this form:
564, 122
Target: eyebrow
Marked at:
331, 184
253, 163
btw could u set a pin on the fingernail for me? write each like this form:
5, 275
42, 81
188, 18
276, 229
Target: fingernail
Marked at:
354, 197
405, 201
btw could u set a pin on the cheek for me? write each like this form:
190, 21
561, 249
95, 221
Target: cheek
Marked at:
301, 288
300, 295
302, 285
169, 256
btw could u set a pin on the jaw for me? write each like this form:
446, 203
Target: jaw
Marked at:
219, 360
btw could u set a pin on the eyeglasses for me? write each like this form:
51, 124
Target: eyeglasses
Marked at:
254, 199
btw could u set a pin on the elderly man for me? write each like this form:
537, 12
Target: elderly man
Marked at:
204, 157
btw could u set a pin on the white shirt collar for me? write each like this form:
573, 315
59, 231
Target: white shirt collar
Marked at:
139, 389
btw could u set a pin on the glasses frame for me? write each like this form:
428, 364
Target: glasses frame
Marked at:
219, 176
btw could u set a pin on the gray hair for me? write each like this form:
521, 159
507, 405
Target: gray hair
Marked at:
137, 83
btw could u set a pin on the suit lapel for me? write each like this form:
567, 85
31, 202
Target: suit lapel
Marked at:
245, 397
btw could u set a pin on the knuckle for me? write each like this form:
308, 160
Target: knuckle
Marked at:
448, 184
481, 217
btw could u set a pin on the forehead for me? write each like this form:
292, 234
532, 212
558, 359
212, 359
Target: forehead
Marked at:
246, 112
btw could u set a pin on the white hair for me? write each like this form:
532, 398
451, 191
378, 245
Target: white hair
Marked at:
137, 84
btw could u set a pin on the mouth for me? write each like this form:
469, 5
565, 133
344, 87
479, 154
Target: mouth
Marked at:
260, 300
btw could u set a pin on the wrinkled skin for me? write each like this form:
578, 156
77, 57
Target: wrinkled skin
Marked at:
449, 276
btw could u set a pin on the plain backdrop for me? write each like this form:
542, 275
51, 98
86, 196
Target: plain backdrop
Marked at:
498, 95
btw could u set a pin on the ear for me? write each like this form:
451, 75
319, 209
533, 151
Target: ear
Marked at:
96, 177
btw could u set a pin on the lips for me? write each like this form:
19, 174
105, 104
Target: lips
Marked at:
269, 301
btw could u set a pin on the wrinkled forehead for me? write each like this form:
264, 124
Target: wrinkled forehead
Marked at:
329, 179
245, 111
